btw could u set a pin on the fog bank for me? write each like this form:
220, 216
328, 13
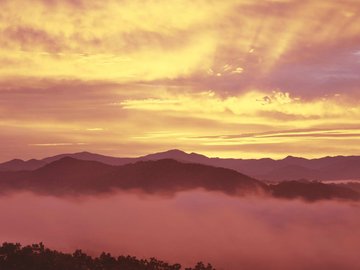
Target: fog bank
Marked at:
230, 232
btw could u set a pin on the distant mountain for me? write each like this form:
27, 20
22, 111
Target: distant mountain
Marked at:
94, 157
352, 185
33, 164
313, 191
327, 168
21, 165
177, 155
71, 176
290, 172
289, 168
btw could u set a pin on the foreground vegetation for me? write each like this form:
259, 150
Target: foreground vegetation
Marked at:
38, 257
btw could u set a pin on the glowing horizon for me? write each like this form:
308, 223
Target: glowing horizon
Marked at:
232, 78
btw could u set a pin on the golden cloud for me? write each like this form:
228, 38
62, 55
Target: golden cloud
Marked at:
151, 75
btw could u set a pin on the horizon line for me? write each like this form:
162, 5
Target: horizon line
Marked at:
173, 150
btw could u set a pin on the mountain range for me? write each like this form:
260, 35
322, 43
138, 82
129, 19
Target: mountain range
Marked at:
65, 175
266, 169
68, 176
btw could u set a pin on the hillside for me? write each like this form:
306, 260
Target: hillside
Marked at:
289, 168
69, 175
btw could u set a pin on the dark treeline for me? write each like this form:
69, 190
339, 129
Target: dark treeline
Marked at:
38, 257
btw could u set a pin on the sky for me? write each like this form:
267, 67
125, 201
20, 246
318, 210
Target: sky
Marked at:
242, 78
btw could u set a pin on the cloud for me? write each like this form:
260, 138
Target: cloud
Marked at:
249, 44
264, 233
28, 38
253, 103
139, 67
56, 144
148, 118
93, 43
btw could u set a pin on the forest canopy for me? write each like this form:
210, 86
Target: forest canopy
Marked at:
38, 257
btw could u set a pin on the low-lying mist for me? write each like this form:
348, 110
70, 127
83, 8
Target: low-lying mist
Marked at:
230, 232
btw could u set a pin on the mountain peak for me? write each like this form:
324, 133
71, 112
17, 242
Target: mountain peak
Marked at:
66, 165
15, 160
64, 160
290, 157
172, 153
175, 151
84, 153
177, 155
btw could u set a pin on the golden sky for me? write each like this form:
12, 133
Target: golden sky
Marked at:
232, 78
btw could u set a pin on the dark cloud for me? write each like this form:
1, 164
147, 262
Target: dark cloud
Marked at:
28, 38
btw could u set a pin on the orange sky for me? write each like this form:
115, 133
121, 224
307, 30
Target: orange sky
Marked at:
224, 78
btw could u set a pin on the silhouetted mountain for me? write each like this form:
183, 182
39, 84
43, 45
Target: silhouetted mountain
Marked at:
177, 155
69, 175
170, 154
352, 185
327, 168
21, 165
94, 157
33, 164
290, 172
289, 168
313, 191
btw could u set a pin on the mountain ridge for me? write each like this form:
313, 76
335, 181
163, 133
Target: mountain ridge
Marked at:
69, 175
267, 169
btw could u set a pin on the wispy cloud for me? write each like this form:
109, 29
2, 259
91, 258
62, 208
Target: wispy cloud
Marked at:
134, 69
56, 144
